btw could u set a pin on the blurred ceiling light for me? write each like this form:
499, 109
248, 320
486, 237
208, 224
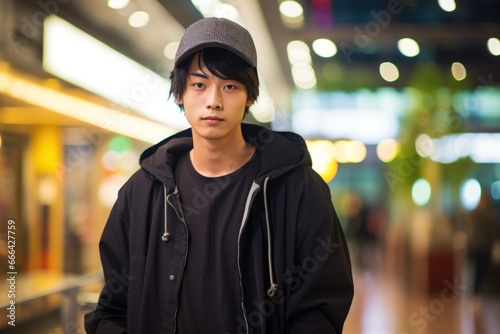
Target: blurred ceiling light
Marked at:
408, 47
138, 19
118, 4
291, 8
470, 193
303, 76
209, 8
458, 71
447, 5
292, 13
227, 11
494, 46
421, 192
298, 52
303, 72
389, 71
97, 115
299, 56
205, 7
324, 48
71, 54
170, 50
388, 149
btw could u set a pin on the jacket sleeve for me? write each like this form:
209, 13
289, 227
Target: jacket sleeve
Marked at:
321, 286
110, 315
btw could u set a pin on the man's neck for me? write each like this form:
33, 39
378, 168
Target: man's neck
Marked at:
218, 158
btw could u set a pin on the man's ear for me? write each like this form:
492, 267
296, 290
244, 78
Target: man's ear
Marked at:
249, 103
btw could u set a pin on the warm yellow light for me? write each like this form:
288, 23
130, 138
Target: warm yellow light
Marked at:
138, 19
349, 151
324, 47
292, 13
458, 71
447, 5
388, 149
290, 8
73, 55
494, 46
408, 47
118, 4
304, 76
323, 160
170, 50
47, 149
298, 52
105, 118
389, 71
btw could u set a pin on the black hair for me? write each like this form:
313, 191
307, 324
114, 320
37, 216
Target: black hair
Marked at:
223, 64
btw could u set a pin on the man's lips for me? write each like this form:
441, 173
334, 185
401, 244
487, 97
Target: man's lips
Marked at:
212, 119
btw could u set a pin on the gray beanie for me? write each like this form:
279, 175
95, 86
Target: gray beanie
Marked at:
217, 32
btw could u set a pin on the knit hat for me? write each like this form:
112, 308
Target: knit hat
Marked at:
217, 32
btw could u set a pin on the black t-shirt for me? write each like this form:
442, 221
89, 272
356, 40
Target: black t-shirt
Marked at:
210, 293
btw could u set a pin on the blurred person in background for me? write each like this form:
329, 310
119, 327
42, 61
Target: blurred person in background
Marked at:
482, 233
225, 228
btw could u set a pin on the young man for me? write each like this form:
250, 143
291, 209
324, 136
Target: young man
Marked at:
225, 228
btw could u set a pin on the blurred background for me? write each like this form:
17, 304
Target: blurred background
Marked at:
399, 101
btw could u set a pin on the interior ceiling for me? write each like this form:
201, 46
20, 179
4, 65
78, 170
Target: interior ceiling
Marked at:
444, 37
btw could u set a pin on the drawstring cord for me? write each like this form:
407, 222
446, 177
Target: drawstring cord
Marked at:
274, 287
166, 236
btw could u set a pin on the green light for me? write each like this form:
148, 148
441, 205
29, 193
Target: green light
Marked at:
119, 144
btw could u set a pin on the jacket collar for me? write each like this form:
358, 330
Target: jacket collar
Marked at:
280, 152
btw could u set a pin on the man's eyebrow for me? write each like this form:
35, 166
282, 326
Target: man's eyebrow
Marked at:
198, 74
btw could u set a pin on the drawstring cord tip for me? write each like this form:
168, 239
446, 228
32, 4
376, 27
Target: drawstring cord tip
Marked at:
272, 290
165, 237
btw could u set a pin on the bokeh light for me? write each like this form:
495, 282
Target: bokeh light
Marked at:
470, 194
388, 149
421, 192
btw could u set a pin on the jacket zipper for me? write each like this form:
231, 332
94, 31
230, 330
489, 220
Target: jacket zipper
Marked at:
253, 189
181, 218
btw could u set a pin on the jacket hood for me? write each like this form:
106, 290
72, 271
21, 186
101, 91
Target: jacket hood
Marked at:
280, 152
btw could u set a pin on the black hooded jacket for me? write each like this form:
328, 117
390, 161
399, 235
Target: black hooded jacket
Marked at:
295, 271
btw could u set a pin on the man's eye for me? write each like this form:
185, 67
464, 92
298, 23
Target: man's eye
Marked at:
198, 85
230, 87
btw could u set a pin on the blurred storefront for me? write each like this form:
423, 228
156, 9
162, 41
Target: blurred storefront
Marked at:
64, 153
407, 168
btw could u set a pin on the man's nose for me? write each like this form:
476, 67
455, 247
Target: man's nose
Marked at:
214, 99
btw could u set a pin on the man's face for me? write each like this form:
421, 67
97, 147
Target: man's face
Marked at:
214, 107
